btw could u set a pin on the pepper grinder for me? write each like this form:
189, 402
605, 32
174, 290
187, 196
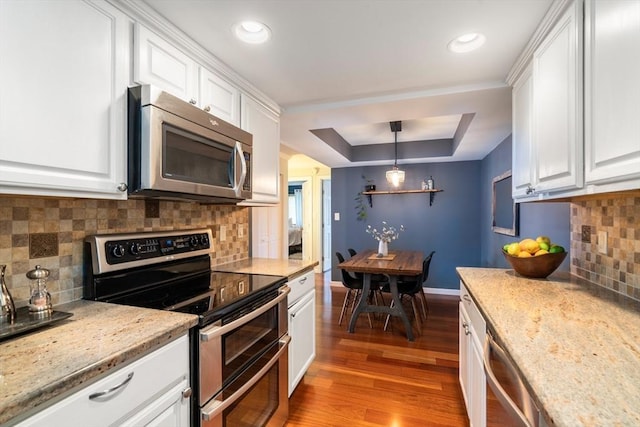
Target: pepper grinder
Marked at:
7, 307
40, 301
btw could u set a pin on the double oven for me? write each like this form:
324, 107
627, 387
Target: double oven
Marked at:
239, 349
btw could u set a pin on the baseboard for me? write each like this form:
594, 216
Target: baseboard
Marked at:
435, 291
442, 291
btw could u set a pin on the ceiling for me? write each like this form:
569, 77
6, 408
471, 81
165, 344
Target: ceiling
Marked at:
344, 69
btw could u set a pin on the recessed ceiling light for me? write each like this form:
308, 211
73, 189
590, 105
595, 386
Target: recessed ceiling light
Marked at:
252, 32
466, 42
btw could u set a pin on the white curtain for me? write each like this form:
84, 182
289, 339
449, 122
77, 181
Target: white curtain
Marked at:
295, 208
297, 194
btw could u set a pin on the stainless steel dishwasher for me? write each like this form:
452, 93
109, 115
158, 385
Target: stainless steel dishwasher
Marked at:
508, 400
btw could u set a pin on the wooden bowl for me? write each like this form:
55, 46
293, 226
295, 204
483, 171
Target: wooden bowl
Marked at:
537, 267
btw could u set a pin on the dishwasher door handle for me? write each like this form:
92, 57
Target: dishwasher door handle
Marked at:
530, 419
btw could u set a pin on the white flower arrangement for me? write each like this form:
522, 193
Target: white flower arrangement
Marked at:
387, 234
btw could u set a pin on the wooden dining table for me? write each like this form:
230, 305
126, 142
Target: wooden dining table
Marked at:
397, 263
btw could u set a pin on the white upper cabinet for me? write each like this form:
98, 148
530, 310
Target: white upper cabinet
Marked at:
64, 72
264, 125
612, 91
557, 105
219, 98
522, 169
159, 63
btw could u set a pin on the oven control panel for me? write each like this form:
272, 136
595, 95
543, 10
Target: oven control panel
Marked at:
119, 251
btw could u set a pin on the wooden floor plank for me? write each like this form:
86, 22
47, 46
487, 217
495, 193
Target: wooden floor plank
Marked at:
375, 378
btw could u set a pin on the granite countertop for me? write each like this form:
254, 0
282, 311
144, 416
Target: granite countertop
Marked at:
577, 345
288, 268
45, 363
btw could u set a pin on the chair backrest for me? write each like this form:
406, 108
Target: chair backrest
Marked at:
352, 251
425, 266
347, 279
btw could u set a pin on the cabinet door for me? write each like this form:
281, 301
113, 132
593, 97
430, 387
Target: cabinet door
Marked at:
266, 232
65, 71
170, 410
477, 385
463, 360
219, 97
612, 90
557, 105
302, 349
522, 169
264, 125
133, 389
159, 63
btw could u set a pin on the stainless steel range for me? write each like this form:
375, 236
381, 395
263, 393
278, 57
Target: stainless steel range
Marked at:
239, 350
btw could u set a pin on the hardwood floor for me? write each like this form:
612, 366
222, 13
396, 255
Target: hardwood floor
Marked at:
374, 378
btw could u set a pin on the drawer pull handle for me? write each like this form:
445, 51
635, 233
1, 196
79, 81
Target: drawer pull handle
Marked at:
99, 394
304, 279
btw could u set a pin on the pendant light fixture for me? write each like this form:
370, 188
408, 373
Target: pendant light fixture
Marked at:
395, 176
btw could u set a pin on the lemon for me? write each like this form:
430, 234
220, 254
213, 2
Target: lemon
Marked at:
524, 254
543, 246
513, 249
529, 245
544, 239
541, 252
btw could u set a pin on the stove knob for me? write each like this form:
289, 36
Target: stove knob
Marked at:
204, 240
134, 249
193, 240
118, 251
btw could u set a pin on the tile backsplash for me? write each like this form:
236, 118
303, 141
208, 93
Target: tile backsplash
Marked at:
50, 232
617, 215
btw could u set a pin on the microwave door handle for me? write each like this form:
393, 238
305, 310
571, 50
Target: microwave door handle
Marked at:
237, 151
490, 346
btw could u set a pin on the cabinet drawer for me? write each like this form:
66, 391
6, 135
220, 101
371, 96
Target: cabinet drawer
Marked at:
476, 321
127, 389
300, 285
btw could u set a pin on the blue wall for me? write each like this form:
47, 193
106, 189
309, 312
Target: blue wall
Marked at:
451, 227
457, 226
536, 218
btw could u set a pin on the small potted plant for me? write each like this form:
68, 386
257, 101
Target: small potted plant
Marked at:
361, 205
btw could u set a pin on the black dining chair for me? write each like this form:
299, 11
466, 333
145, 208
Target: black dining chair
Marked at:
411, 286
354, 291
378, 281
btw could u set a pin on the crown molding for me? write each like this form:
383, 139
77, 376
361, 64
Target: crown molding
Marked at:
141, 12
556, 9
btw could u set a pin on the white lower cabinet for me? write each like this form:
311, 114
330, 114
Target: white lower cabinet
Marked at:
152, 391
64, 72
472, 329
302, 327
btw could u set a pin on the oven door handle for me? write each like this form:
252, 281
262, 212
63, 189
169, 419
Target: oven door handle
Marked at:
215, 407
526, 420
215, 331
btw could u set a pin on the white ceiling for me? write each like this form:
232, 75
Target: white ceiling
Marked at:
356, 65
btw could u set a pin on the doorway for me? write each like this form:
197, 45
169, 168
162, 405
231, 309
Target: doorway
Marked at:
326, 225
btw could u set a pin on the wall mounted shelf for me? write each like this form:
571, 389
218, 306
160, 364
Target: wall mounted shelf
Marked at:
369, 194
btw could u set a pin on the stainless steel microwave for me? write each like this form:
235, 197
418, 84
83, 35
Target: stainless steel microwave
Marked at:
178, 151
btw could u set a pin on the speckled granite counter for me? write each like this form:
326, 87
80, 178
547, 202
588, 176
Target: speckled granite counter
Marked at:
274, 267
576, 344
43, 364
